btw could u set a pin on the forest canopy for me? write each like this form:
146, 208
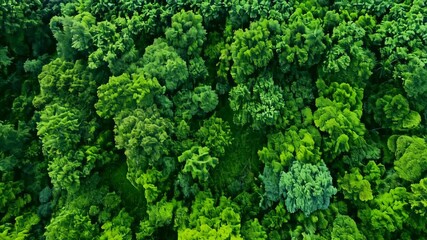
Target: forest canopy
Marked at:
213, 119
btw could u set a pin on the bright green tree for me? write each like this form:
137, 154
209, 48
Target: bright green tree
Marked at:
127, 91
411, 156
198, 162
145, 137
394, 112
215, 134
162, 62
354, 186
211, 220
345, 228
252, 49
186, 34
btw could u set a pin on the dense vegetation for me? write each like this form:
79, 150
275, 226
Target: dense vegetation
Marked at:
209, 119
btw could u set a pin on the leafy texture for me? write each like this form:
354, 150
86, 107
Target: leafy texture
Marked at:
411, 156
209, 220
346, 228
355, 187
198, 162
215, 134
126, 92
252, 49
161, 61
338, 114
418, 200
306, 187
394, 112
145, 137
213, 119
186, 33
259, 106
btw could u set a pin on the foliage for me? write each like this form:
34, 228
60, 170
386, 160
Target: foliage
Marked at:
21, 229
126, 92
418, 200
347, 60
389, 212
270, 181
394, 112
67, 79
198, 162
302, 42
118, 228
78, 225
115, 48
208, 219
91, 211
410, 155
252, 49
162, 62
253, 230
355, 187
338, 113
345, 228
73, 34
259, 106
60, 132
145, 136
306, 187
210, 119
186, 34
215, 134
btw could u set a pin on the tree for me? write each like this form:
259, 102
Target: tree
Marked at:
388, 214
66, 82
339, 112
253, 230
73, 34
162, 62
345, 228
306, 187
260, 106
4, 59
21, 229
270, 180
85, 213
302, 42
61, 131
186, 34
241, 12
347, 60
198, 162
215, 134
119, 228
394, 112
71, 224
208, 219
185, 108
114, 46
145, 137
197, 102
197, 70
252, 49
205, 98
161, 214
418, 199
127, 91
276, 222
354, 186
411, 156
13, 199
